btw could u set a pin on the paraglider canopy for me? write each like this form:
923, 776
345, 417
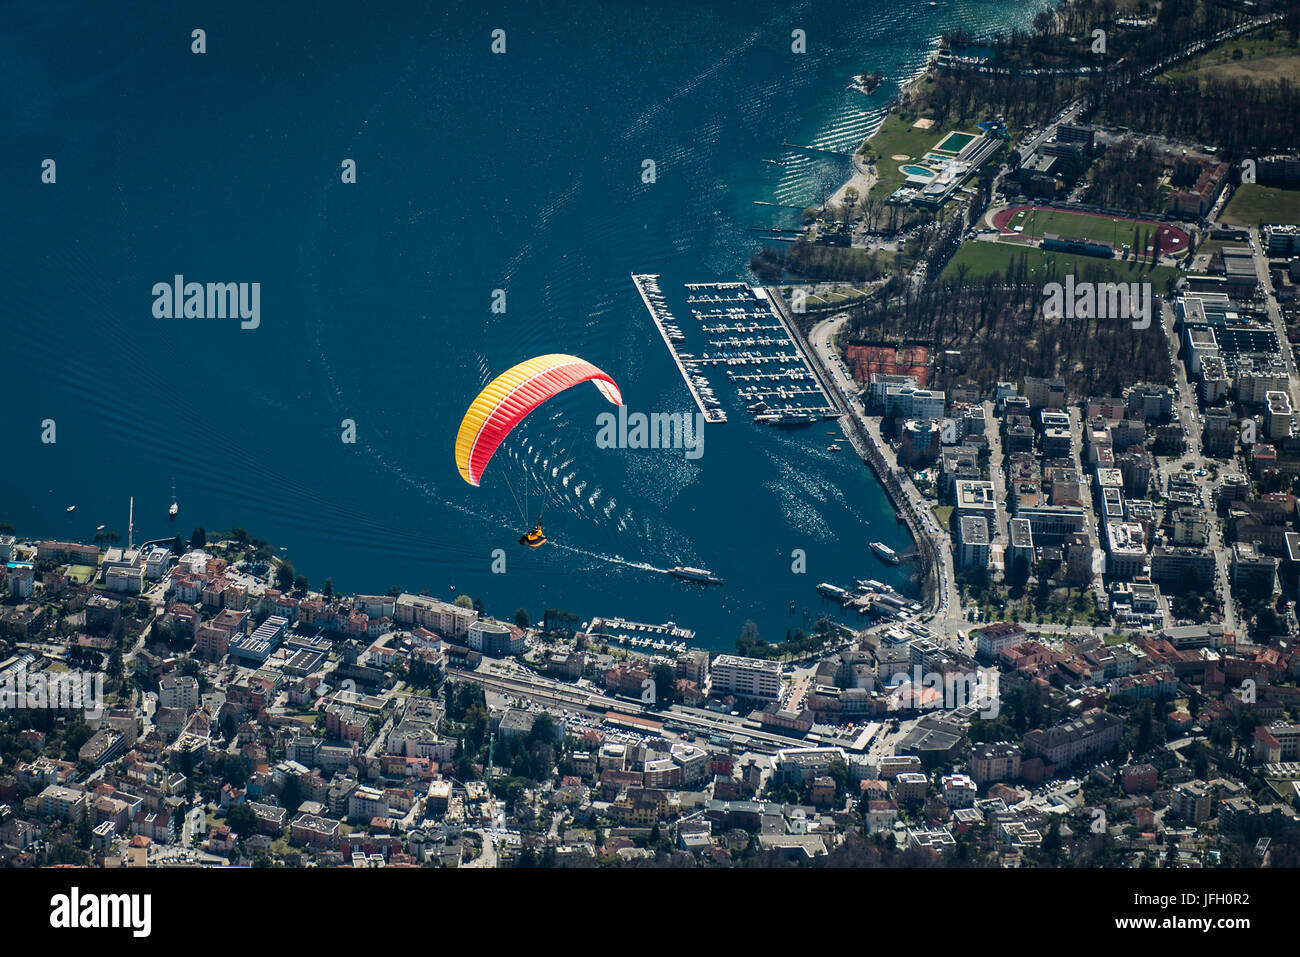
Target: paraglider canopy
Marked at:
509, 398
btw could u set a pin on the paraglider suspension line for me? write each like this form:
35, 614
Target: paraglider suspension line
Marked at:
518, 505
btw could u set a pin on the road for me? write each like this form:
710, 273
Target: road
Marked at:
192, 825
1001, 537
1186, 409
1085, 496
488, 856
1275, 313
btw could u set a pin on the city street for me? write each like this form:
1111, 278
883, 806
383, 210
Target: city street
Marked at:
1187, 411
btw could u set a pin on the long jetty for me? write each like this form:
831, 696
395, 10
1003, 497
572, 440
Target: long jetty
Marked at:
644, 282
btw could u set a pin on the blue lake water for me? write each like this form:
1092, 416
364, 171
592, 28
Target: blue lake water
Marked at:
475, 172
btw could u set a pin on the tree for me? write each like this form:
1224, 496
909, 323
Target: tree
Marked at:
328, 590
464, 601
1018, 574
300, 584
665, 685
521, 618
1146, 728
198, 538
1202, 761
284, 576
242, 819
291, 795
543, 730
85, 830
233, 769
838, 771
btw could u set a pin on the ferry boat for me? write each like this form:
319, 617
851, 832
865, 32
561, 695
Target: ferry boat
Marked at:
695, 575
533, 539
884, 552
828, 590
785, 419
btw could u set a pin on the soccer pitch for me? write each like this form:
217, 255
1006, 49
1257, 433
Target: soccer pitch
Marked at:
1104, 229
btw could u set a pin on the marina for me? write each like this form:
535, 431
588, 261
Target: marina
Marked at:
747, 338
667, 638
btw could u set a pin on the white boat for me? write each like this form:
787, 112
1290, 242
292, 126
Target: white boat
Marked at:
884, 552
695, 574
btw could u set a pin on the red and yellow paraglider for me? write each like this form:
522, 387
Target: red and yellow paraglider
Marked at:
508, 399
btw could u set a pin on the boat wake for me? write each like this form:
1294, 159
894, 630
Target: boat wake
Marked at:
610, 559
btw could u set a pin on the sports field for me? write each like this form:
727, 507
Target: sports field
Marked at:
80, 574
1036, 221
981, 259
1254, 205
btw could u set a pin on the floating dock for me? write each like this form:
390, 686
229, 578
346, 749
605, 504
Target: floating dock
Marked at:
664, 639
748, 335
669, 630
870, 598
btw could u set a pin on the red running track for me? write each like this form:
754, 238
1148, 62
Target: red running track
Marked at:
1169, 239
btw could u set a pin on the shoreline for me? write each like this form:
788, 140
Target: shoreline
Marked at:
864, 176
870, 452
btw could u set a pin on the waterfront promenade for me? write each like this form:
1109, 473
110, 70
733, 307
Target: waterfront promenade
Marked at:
938, 579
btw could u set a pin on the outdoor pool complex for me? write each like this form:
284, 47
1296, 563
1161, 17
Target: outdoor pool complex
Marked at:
917, 171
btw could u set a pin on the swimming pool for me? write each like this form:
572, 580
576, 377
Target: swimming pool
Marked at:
956, 142
917, 171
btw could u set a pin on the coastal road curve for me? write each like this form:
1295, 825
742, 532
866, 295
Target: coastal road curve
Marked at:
822, 338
